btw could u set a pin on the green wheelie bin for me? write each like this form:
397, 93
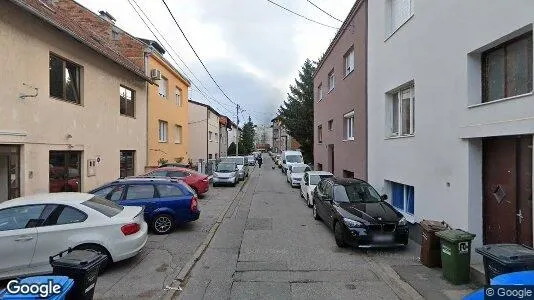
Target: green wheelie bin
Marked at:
456, 254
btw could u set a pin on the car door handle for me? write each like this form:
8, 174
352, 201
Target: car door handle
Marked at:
24, 239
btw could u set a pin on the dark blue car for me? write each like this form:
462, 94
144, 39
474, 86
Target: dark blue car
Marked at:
167, 202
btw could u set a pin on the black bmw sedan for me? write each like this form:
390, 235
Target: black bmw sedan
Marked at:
358, 215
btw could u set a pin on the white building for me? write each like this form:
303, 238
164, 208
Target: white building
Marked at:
461, 152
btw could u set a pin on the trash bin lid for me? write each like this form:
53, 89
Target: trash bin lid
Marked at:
508, 253
430, 225
476, 295
65, 282
515, 278
455, 235
77, 258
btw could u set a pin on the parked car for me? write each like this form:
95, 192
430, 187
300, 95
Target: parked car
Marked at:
167, 202
197, 181
289, 158
241, 163
309, 182
251, 159
33, 228
225, 173
358, 215
295, 173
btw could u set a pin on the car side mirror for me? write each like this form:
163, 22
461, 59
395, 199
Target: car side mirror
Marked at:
384, 197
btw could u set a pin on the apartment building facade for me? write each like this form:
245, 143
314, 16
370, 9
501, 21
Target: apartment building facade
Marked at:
204, 127
463, 151
65, 125
340, 106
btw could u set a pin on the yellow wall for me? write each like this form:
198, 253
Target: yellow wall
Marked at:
166, 109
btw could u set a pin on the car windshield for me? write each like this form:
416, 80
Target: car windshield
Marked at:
104, 206
294, 159
226, 167
236, 160
314, 179
356, 193
298, 169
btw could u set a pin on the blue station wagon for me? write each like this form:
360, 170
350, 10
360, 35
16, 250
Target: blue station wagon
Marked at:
167, 202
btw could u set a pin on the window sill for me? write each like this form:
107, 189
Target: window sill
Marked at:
330, 91
501, 100
177, 142
65, 100
409, 217
400, 136
127, 116
349, 140
388, 35
348, 74
162, 142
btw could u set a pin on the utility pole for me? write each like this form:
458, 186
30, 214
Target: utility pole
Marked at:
237, 142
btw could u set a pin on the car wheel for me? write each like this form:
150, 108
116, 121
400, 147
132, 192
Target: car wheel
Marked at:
100, 250
338, 234
315, 214
163, 224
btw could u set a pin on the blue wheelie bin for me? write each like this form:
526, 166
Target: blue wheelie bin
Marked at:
515, 278
65, 282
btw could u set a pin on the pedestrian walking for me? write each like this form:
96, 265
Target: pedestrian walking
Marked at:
260, 161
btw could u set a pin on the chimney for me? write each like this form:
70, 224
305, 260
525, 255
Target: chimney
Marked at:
107, 16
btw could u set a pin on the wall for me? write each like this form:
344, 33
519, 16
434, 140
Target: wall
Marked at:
42, 123
349, 94
166, 109
198, 129
223, 140
440, 56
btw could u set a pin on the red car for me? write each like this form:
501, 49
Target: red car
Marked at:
197, 181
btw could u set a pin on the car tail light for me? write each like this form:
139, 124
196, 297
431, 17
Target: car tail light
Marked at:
129, 229
194, 204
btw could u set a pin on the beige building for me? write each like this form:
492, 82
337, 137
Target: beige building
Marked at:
204, 130
73, 113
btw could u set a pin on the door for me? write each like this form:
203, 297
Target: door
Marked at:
65, 171
18, 237
507, 190
331, 158
9, 172
4, 178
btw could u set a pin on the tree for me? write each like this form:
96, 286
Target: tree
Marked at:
246, 144
231, 149
296, 113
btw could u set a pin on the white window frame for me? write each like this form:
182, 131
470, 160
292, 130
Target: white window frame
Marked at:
178, 93
163, 131
331, 125
389, 188
331, 83
178, 134
391, 27
320, 134
210, 136
398, 131
320, 91
216, 139
163, 87
348, 126
348, 59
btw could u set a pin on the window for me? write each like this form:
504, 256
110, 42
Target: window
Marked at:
127, 163
349, 61
177, 134
319, 167
70, 215
401, 112
210, 134
507, 69
163, 87
177, 174
348, 174
348, 126
178, 94
65, 79
168, 190
331, 81
18, 217
320, 92
320, 133
330, 125
402, 197
116, 195
216, 137
103, 192
163, 131
210, 156
127, 97
400, 11
104, 206
158, 174
140, 191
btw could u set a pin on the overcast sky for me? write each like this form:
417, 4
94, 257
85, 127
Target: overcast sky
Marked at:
253, 48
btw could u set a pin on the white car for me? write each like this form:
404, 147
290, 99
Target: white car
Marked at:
36, 227
309, 182
295, 172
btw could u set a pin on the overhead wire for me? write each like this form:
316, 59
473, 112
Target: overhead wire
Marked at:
328, 14
297, 14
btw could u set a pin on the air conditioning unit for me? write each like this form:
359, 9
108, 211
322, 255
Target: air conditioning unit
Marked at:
155, 74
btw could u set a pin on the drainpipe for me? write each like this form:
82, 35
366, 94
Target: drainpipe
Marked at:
147, 112
207, 136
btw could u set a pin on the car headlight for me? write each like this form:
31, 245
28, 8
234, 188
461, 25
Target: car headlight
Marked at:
403, 222
351, 223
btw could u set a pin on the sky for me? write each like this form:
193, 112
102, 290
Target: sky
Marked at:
252, 48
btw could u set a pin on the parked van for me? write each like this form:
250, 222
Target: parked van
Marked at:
290, 158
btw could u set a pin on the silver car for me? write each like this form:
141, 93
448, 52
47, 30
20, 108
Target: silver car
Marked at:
242, 165
225, 173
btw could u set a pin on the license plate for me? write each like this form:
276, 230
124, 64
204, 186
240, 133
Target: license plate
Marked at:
383, 238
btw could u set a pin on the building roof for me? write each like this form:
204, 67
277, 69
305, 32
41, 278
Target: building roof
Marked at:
45, 10
205, 105
341, 30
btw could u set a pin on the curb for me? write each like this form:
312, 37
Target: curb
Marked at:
173, 290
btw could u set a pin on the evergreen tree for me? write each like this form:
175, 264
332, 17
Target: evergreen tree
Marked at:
246, 144
231, 149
